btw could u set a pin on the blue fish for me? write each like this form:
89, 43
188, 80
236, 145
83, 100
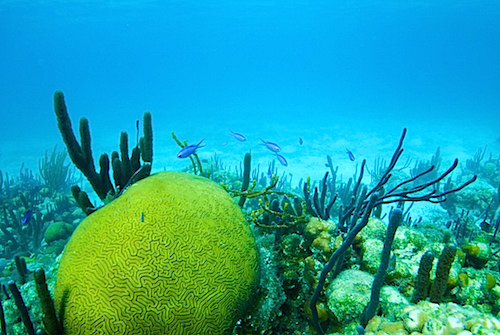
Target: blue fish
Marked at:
27, 216
271, 145
282, 160
238, 136
301, 141
350, 154
189, 150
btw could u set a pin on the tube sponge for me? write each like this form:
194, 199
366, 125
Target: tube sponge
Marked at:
423, 277
172, 255
442, 272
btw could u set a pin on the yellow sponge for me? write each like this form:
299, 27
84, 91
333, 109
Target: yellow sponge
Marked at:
172, 255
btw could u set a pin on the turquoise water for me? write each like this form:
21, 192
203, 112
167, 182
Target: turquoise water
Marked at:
324, 71
337, 75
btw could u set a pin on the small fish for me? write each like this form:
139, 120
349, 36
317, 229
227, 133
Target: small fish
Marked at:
350, 154
301, 141
27, 216
189, 150
238, 136
282, 160
271, 146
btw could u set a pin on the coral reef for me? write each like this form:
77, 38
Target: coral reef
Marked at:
354, 218
26, 211
173, 253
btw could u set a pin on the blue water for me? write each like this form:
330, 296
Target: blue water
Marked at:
339, 74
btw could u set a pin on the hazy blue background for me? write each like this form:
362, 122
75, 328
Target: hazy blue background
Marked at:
338, 73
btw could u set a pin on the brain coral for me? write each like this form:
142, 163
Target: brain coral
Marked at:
172, 255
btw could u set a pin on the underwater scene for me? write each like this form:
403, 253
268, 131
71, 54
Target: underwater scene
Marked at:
250, 167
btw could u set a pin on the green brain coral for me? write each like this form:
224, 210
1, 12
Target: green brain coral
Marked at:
172, 255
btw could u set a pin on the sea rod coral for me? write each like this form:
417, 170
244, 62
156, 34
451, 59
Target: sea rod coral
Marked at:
357, 214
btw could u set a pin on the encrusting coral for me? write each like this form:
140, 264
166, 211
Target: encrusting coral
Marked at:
429, 318
172, 255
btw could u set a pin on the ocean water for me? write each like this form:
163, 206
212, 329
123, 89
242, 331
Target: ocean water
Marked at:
338, 75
